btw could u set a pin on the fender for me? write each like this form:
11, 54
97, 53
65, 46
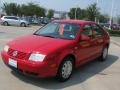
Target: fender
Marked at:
65, 53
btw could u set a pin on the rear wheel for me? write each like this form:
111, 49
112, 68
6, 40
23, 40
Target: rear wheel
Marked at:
23, 25
104, 54
5, 23
65, 70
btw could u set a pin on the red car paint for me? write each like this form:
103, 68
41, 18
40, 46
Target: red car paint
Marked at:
55, 49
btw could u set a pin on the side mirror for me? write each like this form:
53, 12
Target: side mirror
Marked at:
85, 38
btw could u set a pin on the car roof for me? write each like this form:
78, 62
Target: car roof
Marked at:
74, 21
9, 16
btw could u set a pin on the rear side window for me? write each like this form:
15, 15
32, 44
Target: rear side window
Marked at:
97, 31
14, 18
6, 18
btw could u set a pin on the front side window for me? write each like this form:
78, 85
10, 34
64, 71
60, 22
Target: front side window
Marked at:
87, 30
14, 18
59, 30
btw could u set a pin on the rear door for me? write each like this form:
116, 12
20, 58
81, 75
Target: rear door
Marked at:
98, 35
8, 19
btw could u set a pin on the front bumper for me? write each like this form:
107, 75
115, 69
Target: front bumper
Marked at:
44, 69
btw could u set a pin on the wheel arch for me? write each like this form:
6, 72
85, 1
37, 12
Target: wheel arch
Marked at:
22, 23
67, 55
58, 73
107, 45
72, 56
5, 22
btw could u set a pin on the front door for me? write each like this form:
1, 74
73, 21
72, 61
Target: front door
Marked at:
85, 49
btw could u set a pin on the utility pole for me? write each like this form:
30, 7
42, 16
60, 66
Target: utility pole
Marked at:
97, 5
0, 6
76, 13
111, 15
97, 1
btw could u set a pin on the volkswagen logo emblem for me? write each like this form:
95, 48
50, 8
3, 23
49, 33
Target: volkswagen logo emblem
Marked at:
15, 53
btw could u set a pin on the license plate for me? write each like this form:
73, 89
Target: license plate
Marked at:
12, 63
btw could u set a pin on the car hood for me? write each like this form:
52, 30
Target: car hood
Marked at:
33, 43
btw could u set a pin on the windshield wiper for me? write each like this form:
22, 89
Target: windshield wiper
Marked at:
45, 35
48, 36
35, 34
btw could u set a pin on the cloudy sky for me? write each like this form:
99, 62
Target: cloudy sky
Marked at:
65, 5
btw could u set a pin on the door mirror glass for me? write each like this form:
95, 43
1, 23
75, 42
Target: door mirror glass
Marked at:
85, 38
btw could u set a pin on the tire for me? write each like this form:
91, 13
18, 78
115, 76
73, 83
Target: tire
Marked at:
104, 54
23, 25
65, 70
5, 23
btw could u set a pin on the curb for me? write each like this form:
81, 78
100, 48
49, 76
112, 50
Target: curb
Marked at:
6, 40
116, 43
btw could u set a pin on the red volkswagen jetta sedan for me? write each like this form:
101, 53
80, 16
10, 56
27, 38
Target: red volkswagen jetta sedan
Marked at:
57, 49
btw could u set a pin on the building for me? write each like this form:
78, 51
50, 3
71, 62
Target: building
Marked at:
61, 15
2, 14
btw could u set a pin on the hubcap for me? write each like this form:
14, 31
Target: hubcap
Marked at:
5, 24
67, 69
105, 52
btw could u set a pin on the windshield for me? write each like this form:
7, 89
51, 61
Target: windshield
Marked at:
59, 30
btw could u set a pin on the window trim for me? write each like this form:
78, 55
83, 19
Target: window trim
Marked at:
83, 30
97, 36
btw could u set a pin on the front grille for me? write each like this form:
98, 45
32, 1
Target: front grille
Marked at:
20, 55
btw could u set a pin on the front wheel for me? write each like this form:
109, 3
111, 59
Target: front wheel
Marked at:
104, 55
5, 23
65, 70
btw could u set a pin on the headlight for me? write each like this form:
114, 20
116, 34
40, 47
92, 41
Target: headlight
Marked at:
6, 48
37, 57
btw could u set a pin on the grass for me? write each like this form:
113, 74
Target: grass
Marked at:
114, 33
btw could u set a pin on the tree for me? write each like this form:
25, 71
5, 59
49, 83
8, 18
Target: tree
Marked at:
84, 14
80, 13
92, 12
11, 9
32, 9
28, 10
50, 13
75, 12
71, 14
